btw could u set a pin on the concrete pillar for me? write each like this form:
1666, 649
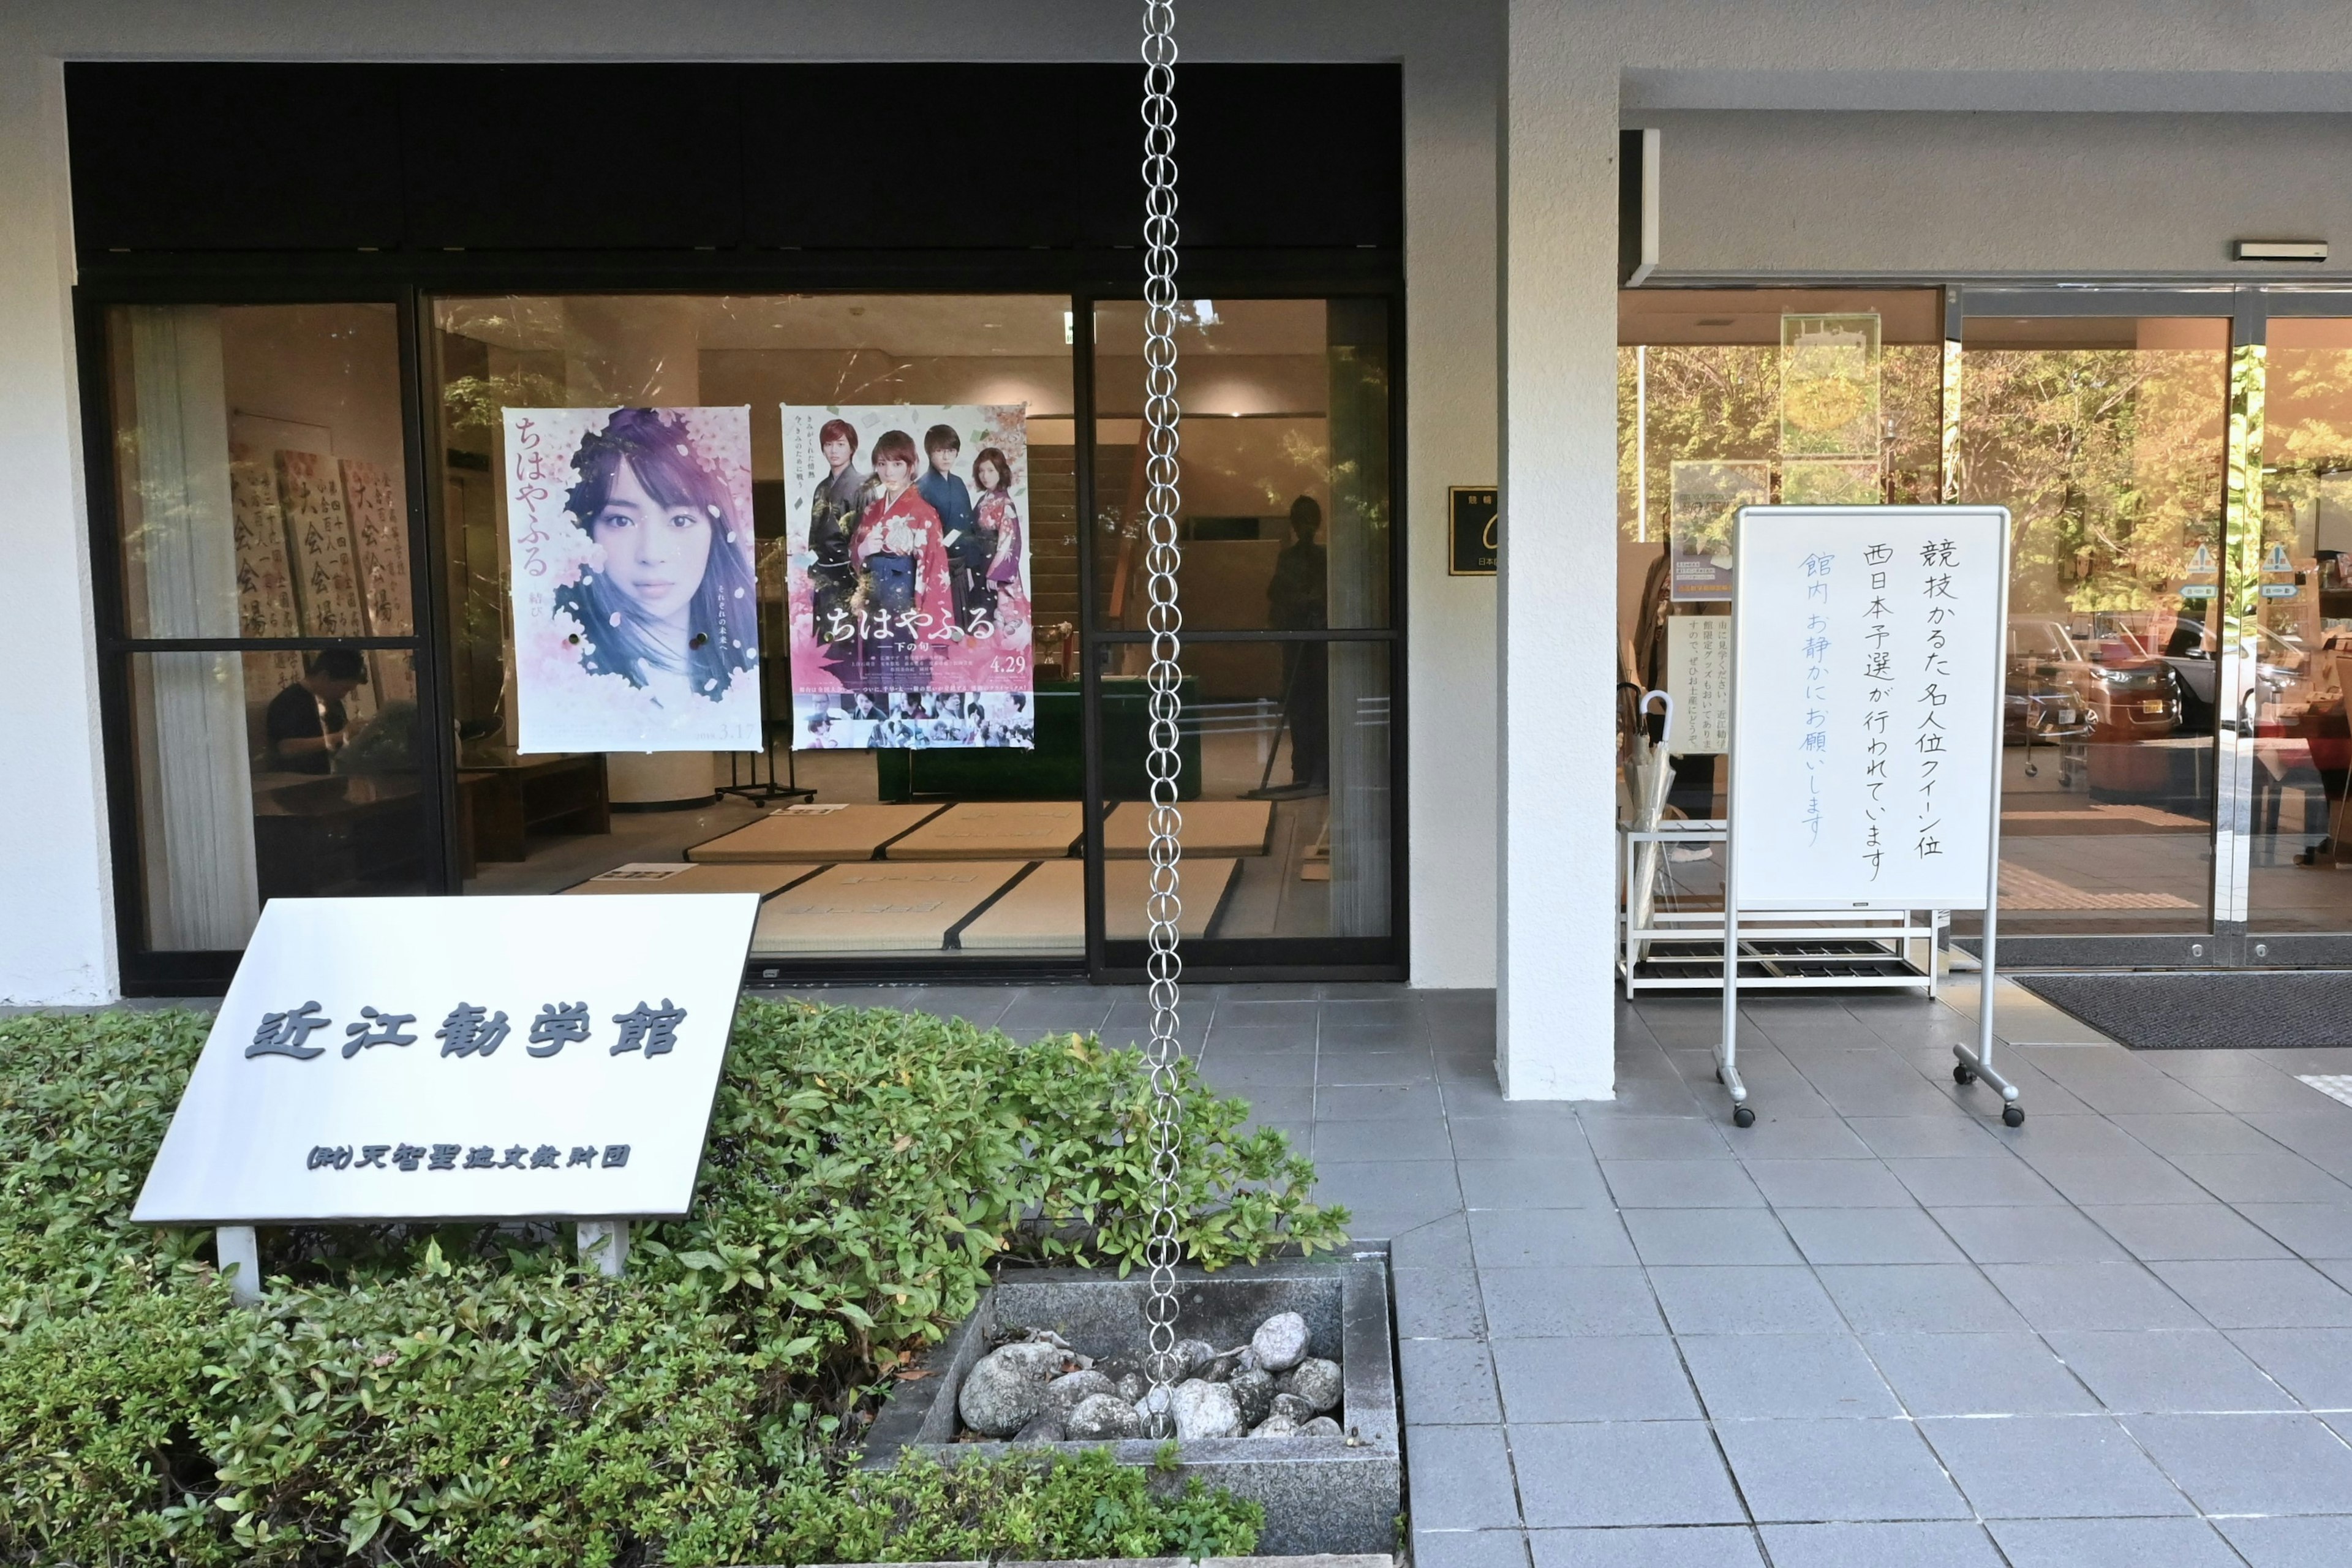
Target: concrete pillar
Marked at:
1555, 1009
57, 920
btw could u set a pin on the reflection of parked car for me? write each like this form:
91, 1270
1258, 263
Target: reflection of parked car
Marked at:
2189, 654
2119, 691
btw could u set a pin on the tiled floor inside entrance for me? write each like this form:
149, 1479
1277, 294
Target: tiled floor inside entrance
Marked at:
1875, 1329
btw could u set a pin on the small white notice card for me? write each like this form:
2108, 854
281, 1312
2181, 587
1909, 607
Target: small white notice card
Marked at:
1698, 677
1867, 676
459, 1058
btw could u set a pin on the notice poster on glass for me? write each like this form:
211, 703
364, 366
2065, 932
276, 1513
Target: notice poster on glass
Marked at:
636, 602
909, 583
1703, 498
1830, 386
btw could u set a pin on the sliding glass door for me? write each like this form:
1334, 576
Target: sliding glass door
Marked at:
2179, 464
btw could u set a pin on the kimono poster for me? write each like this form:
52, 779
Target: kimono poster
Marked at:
632, 565
909, 599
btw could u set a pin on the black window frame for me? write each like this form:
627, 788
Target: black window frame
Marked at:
413, 277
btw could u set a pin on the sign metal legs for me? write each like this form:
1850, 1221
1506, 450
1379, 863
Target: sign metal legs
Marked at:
240, 1259
606, 1243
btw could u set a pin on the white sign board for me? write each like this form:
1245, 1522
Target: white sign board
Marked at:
1866, 698
458, 1059
1698, 677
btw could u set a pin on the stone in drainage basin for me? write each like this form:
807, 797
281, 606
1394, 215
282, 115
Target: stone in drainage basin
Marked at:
1038, 1388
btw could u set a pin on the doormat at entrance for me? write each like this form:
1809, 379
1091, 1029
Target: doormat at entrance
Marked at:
2207, 1010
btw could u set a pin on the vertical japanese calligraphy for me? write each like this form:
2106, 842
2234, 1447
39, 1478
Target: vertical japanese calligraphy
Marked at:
1867, 687
636, 620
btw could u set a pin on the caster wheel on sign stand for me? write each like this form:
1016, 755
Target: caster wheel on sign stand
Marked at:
2012, 1116
1742, 1116
1961, 1075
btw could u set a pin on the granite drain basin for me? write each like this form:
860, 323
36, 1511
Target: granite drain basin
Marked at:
1324, 1491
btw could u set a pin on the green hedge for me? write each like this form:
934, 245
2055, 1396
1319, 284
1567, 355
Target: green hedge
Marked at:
469, 1396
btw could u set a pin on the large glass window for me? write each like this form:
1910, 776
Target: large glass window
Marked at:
2104, 437
270, 678
892, 853
2302, 633
1743, 397
1287, 536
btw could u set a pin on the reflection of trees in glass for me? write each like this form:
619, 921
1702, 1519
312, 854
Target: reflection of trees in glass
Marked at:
2307, 434
2110, 461
1722, 401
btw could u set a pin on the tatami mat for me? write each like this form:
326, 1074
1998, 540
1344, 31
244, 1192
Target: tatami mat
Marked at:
877, 907
814, 837
1211, 827
682, 877
1045, 911
995, 830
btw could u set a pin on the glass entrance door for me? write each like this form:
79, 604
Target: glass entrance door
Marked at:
2107, 438
2297, 605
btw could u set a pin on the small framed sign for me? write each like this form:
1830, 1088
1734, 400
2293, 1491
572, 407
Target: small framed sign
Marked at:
1477, 530
459, 1058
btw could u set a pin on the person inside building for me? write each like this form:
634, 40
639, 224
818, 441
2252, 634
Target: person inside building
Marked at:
1296, 600
306, 725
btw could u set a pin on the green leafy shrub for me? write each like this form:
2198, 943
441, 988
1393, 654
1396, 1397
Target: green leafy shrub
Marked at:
469, 1395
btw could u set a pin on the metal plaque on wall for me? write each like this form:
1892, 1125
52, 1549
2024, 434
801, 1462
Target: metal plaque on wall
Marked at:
458, 1059
1477, 530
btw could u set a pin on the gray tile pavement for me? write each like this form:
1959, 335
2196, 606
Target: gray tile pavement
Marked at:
1876, 1328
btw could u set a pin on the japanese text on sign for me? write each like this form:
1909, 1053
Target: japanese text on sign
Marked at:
1868, 704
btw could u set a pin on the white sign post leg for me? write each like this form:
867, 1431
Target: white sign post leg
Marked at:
606, 1241
1977, 1063
238, 1250
1727, 1055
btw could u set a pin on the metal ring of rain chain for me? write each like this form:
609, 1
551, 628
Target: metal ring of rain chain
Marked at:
1164, 965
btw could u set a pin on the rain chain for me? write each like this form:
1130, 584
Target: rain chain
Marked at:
1164, 965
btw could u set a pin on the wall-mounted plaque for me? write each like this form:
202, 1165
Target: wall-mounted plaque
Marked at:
1477, 530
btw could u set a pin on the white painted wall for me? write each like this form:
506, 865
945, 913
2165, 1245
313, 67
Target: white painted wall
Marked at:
1935, 195
57, 938
56, 923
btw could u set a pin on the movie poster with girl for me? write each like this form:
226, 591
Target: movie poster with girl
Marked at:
636, 605
907, 547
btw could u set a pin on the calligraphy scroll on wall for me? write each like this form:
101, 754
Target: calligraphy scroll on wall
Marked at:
1867, 673
380, 538
326, 568
265, 604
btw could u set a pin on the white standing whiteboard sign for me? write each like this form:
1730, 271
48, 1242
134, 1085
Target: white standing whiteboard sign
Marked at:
1866, 698
458, 1059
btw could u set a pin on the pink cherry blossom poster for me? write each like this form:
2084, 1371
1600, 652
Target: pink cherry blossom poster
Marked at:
635, 586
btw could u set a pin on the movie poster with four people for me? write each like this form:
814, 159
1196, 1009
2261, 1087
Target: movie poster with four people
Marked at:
908, 545
631, 559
